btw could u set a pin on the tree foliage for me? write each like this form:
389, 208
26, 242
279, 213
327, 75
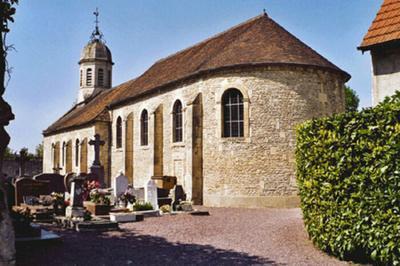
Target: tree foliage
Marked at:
351, 99
348, 172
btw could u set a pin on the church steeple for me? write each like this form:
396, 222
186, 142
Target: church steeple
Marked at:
95, 65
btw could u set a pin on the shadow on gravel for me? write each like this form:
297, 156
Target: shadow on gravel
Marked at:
128, 248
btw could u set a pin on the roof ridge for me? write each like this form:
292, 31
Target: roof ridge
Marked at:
305, 45
213, 37
227, 44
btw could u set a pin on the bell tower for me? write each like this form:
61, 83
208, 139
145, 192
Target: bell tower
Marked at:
95, 65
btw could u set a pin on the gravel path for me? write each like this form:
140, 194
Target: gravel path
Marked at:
227, 237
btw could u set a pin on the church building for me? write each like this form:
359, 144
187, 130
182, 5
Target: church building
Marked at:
219, 115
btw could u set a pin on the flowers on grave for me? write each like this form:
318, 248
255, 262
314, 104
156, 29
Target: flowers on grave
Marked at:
100, 196
165, 208
88, 186
127, 197
87, 216
58, 198
58, 202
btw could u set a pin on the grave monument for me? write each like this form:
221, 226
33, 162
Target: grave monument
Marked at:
75, 208
96, 167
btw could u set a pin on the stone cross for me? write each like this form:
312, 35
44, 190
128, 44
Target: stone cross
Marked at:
96, 143
22, 158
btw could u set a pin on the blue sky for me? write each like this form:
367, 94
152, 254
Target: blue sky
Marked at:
50, 34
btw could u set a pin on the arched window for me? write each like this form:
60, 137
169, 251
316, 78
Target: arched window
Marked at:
64, 148
177, 122
89, 77
119, 132
100, 77
80, 79
77, 152
144, 128
232, 113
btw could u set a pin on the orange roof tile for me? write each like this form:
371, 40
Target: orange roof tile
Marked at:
385, 27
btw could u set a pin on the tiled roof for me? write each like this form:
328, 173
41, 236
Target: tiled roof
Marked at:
258, 41
385, 27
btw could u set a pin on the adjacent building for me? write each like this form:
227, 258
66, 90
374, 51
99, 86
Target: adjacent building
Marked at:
220, 115
383, 42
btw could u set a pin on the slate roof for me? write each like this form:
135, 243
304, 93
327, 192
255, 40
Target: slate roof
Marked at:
258, 41
385, 27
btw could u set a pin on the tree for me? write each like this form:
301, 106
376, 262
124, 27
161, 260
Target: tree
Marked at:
39, 151
351, 99
7, 247
9, 154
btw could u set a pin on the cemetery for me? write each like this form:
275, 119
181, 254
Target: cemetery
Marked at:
83, 203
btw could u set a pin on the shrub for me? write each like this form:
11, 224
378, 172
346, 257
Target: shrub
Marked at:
348, 172
142, 206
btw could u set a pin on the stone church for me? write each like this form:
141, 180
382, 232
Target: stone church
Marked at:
219, 115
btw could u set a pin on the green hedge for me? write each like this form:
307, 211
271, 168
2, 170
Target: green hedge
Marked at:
348, 171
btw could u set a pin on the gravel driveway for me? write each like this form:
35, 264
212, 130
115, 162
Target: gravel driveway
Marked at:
229, 236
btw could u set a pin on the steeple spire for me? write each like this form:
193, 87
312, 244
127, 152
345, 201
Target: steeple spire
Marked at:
96, 34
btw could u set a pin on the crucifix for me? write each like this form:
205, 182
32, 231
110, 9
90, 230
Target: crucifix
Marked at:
96, 32
22, 158
96, 143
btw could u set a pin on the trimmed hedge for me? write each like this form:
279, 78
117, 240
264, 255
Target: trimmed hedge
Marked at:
348, 172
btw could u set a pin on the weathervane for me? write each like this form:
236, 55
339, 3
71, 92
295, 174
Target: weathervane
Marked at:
96, 34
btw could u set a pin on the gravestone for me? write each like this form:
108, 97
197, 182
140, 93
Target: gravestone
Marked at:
68, 180
75, 208
26, 187
120, 184
56, 181
151, 194
138, 193
177, 195
96, 167
22, 158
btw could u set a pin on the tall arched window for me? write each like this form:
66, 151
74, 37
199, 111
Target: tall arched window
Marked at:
80, 79
144, 128
64, 149
177, 122
100, 77
232, 113
77, 152
89, 77
119, 132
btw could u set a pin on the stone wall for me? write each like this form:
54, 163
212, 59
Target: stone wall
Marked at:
257, 170
385, 73
32, 167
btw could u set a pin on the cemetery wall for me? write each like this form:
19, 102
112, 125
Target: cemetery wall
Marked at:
257, 170
32, 167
